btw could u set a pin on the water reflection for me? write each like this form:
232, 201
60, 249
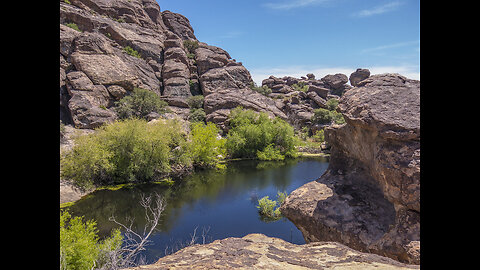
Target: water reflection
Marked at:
222, 202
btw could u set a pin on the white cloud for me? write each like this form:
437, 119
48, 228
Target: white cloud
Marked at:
259, 74
389, 46
293, 4
379, 9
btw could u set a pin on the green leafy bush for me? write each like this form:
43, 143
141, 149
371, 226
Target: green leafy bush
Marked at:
190, 45
130, 150
255, 135
264, 90
205, 149
73, 26
267, 208
130, 51
195, 102
197, 115
80, 247
332, 104
300, 86
322, 116
139, 104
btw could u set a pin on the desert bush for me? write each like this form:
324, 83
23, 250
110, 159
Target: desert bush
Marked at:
80, 247
205, 149
195, 102
139, 104
264, 90
190, 45
268, 209
255, 135
300, 86
130, 51
322, 116
197, 115
125, 151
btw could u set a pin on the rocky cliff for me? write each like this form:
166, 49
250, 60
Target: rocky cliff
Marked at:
369, 197
109, 47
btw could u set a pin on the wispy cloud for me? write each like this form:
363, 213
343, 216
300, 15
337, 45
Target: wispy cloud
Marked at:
379, 9
290, 4
389, 46
259, 74
232, 34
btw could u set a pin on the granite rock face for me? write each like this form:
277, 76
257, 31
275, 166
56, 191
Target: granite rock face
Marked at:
369, 197
96, 69
257, 251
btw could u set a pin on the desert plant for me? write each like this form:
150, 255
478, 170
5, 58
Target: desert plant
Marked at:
300, 86
252, 134
130, 51
139, 104
267, 208
190, 45
125, 151
73, 26
205, 149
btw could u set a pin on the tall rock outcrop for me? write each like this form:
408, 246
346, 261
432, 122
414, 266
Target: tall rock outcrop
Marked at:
98, 66
369, 197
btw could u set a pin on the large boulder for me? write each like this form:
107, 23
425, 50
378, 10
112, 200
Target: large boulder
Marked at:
369, 197
257, 251
358, 75
218, 104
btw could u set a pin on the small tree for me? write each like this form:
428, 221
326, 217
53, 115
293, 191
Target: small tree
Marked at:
139, 104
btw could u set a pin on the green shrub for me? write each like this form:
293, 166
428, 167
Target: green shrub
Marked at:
195, 102
125, 151
267, 208
332, 104
300, 86
255, 135
73, 26
270, 153
139, 104
197, 115
190, 45
319, 136
80, 247
264, 90
322, 116
338, 118
130, 51
205, 149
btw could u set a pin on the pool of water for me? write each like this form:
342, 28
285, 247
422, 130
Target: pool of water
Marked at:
220, 204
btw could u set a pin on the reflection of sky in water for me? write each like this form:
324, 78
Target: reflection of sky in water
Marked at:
222, 203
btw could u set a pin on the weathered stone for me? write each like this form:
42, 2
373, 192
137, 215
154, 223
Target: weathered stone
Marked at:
222, 78
335, 81
373, 178
105, 69
359, 75
257, 251
178, 24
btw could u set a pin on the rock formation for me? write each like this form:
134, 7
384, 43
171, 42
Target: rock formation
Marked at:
369, 197
257, 251
97, 67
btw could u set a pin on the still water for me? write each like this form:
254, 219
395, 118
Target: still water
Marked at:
219, 203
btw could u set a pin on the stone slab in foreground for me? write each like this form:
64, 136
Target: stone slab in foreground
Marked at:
257, 251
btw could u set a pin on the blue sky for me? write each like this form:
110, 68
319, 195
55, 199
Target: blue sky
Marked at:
296, 37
